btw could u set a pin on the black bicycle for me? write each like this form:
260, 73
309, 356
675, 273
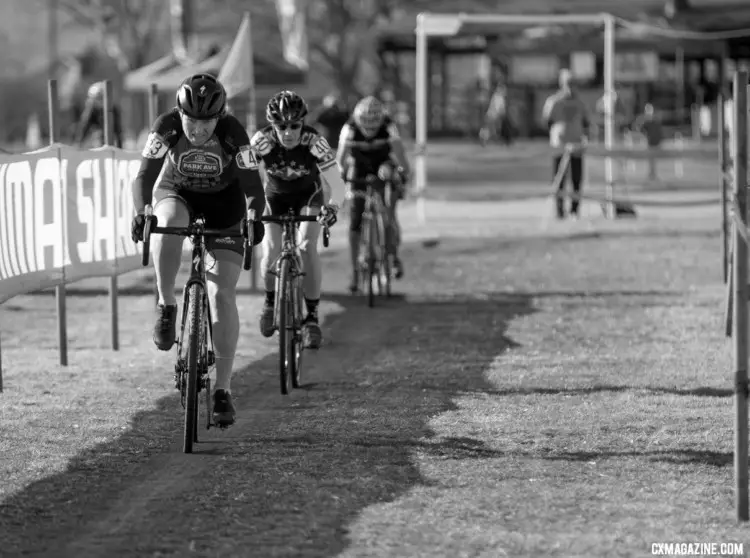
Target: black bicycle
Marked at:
288, 311
195, 354
375, 272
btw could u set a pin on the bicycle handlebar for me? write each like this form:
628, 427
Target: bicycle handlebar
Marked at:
192, 230
150, 227
293, 219
289, 218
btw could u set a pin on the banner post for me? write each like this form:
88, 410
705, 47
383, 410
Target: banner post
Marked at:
252, 126
153, 113
113, 290
740, 306
723, 185
53, 107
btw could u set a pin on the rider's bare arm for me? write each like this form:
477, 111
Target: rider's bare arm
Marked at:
345, 138
397, 147
332, 184
247, 172
160, 140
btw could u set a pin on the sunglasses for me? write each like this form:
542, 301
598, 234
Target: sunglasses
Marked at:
292, 126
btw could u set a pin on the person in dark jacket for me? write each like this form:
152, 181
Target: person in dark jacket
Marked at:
330, 118
91, 125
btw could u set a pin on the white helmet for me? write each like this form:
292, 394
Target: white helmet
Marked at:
369, 114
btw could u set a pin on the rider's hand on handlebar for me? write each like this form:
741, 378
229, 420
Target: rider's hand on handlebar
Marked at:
327, 216
259, 229
136, 227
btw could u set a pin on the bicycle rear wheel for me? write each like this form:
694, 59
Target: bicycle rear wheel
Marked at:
286, 325
371, 258
195, 340
383, 257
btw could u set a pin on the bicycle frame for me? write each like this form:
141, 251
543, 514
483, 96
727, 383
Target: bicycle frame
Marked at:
288, 267
195, 355
289, 251
197, 275
376, 252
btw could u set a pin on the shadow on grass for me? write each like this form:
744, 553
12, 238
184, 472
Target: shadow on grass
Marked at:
290, 476
675, 456
645, 390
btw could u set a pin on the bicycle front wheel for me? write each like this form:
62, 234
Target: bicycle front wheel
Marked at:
195, 341
286, 324
295, 359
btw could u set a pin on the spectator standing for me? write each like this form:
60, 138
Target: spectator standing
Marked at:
90, 127
330, 118
567, 119
497, 121
650, 126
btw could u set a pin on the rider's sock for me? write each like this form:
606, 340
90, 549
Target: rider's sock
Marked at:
270, 297
312, 307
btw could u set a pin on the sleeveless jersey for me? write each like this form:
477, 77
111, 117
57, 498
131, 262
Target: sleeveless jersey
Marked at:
369, 152
206, 168
292, 170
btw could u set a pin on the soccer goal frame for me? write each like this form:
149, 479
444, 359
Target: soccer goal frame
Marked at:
449, 25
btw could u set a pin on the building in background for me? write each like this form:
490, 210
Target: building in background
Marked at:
675, 76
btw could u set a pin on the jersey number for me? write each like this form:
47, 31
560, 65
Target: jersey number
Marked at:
261, 144
155, 147
322, 150
246, 159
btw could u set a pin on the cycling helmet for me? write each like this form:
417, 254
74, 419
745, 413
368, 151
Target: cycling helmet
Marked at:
369, 114
286, 106
202, 97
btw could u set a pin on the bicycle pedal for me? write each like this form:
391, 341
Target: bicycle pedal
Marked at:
211, 358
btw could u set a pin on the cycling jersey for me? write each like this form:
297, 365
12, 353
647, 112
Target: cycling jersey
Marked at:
369, 152
296, 170
226, 158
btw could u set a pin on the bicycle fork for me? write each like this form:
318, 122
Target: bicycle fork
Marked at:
208, 359
296, 275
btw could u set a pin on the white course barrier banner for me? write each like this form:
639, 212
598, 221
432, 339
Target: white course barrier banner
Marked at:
65, 215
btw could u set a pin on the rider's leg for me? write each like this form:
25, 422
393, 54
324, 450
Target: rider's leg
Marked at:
309, 233
170, 211
223, 271
357, 208
312, 281
271, 251
387, 172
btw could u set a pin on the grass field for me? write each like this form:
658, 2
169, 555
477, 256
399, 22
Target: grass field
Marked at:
539, 389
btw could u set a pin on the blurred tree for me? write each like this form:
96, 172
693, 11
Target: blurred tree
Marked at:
342, 33
127, 29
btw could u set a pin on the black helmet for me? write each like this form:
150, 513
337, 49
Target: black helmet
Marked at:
202, 97
286, 106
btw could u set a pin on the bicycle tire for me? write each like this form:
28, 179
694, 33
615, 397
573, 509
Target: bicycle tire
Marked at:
371, 260
296, 360
195, 309
283, 316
